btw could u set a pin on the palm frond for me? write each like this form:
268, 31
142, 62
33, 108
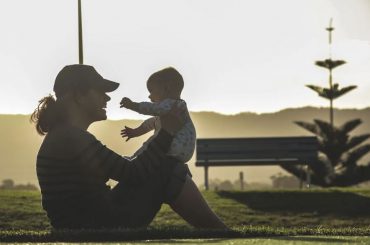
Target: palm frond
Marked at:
347, 89
311, 127
350, 125
356, 155
336, 92
331, 93
319, 90
356, 140
329, 63
325, 129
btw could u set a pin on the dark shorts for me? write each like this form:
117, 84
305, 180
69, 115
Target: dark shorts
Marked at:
136, 206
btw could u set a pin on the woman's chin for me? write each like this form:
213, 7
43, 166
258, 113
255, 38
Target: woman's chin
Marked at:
102, 115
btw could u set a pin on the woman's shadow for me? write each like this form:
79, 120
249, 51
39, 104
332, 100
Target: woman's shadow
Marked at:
338, 203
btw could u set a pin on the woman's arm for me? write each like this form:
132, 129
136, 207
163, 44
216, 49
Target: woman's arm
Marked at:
99, 159
102, 161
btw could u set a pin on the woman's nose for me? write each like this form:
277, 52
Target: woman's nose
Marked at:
107, 98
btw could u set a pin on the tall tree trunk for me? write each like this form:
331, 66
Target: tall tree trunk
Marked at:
331, 99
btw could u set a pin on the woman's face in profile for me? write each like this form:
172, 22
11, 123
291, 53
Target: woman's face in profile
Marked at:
95, 104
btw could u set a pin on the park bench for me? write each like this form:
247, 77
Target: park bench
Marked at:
261, 151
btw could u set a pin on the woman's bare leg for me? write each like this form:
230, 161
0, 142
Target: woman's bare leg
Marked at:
192, 207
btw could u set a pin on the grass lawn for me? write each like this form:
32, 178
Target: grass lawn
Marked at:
250, 214
291, 240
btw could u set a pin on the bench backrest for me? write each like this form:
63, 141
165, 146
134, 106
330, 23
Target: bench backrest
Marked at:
256, 151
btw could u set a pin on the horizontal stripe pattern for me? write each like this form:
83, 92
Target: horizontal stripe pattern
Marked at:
72, 187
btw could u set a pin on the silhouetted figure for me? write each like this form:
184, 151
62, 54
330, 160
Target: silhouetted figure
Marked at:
165, 87
73, 166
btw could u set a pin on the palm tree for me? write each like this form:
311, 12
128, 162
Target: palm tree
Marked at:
339, 152
339, 155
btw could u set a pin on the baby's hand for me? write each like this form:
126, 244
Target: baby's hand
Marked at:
128, 132
125, 102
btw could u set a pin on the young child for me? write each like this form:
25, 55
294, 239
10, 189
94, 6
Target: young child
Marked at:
165, 87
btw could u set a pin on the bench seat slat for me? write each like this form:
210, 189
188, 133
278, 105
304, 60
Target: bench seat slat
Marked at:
246, 155
251, 162
249, 150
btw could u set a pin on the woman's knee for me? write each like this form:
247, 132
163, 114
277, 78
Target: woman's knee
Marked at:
176, 182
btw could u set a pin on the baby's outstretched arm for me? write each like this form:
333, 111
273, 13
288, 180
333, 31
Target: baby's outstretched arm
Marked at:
129, 104
153, 108
130, 133
144, 128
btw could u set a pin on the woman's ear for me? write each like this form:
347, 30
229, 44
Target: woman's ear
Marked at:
75, 97
78, 97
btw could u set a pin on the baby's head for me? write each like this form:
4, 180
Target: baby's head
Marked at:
165, 84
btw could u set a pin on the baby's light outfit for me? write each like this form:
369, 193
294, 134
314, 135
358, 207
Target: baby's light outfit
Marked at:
183, 144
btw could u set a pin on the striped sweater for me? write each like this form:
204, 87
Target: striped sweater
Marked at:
73, 168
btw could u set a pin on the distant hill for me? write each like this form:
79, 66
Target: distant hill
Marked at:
19, 141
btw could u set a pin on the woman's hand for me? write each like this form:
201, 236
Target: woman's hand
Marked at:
173, 121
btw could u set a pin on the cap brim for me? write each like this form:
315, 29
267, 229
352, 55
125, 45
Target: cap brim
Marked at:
108, 86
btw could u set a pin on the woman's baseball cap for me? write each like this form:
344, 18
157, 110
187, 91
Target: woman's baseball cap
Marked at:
81, 77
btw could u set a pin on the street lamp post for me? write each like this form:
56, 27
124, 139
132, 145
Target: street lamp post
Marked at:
80, 44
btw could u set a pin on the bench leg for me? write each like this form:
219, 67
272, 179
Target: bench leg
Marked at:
308, 177
206, 177
301, 177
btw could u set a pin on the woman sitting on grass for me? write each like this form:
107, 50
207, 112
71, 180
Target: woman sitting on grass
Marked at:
73, 166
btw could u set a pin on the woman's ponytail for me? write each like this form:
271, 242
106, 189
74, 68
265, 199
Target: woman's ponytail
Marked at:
45, 115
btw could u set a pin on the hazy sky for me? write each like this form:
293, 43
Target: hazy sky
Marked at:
235, 55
